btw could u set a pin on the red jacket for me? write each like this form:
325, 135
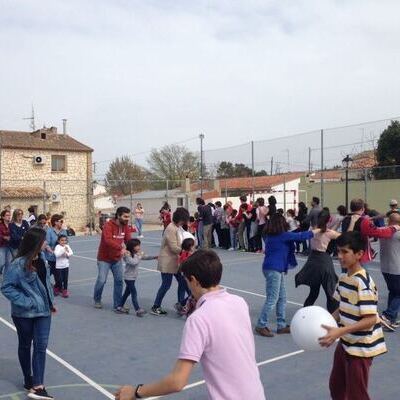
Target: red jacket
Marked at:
368, 229
4, 231
184, 256
112, 238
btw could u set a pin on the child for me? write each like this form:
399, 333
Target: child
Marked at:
360, 331
233, 228
63, 252
132, 258
188, 248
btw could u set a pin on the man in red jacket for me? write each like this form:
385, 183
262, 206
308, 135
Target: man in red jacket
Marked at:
358, 221
115, 234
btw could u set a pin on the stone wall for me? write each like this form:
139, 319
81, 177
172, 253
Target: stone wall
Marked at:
72, 186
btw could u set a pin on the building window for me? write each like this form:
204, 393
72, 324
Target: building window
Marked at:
58, 164
180, 202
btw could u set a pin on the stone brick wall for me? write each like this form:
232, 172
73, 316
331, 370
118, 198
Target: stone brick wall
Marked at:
73, 186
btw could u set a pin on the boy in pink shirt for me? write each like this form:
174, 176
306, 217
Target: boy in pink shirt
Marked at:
218, 335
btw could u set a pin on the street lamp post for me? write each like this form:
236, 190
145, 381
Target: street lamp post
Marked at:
201, 136
346, 162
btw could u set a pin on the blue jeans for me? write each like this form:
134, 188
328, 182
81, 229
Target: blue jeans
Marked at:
166, 281
233, 233
276, 296
5, 259
139, 225
34, 330
130, 289
116, 269
393, 306
200, 234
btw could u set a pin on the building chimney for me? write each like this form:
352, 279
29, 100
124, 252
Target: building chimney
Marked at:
52, 129
64, 126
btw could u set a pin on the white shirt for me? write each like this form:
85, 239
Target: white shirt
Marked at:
62, 254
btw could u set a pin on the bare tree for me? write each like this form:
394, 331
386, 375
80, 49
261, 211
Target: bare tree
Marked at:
125, 176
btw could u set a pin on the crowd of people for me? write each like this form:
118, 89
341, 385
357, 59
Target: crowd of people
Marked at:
218, 330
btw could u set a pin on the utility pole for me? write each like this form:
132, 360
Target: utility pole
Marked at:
272, 165
322, 167
309, 160
201, 136
252, 170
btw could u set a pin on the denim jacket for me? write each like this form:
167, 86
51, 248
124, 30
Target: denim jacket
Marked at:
25, 290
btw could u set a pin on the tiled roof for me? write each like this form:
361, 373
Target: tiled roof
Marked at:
26, 192
366, 159
33, 140
260, 182
333, 175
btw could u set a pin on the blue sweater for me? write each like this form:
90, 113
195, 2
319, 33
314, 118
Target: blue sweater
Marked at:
17, 233
279, 250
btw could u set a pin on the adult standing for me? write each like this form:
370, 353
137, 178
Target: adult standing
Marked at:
271, 206
52, 233
393, 207
218, 214
18, 228
312, 217
114, 236
390, 267
27, 285
262, 212
5, 252
242, 222
139, 213
304, 226
168, 261
32, 216
205, 223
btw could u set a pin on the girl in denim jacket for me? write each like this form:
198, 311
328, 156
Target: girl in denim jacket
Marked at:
27, 285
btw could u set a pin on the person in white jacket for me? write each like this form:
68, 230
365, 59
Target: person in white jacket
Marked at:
63, 252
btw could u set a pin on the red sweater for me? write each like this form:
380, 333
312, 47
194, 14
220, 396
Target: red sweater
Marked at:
184, 256
4, 231
368, 229
112, 238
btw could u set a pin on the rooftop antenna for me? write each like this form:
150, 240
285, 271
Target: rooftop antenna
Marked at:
32, 119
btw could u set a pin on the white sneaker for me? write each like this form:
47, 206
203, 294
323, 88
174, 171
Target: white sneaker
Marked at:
140, 236
231, 249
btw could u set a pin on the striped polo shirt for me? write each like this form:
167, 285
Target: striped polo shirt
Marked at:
358, 297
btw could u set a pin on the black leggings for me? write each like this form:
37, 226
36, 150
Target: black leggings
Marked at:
61, 277
331, 303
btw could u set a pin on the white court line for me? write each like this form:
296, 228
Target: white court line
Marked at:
260, 364
258, 295
69, 366
227, 287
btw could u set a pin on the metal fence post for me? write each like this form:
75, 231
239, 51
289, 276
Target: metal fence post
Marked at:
322, 168
284, 193
131, 201
44, 197
366, 185
252, 170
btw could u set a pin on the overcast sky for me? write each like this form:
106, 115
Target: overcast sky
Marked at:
131, 75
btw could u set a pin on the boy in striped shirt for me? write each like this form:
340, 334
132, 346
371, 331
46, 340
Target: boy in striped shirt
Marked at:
360, 331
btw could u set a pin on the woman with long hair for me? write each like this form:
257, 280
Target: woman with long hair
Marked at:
5, 252
279, 258
319, 270
27, 285
168, 262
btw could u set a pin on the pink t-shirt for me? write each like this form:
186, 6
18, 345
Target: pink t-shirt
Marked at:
320, 241
219, 336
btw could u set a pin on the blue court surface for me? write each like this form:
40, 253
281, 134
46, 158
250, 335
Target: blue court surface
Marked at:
92, 352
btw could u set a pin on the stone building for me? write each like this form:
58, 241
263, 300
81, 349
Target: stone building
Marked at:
47, 170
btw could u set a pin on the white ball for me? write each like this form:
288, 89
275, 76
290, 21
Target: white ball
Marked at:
306, 327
